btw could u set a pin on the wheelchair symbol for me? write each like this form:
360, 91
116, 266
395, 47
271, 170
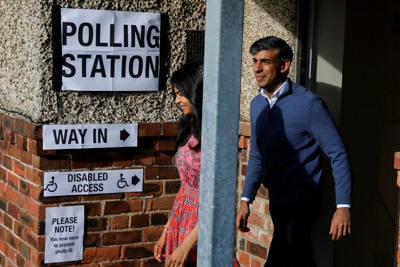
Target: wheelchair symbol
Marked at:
122, 182
51, 186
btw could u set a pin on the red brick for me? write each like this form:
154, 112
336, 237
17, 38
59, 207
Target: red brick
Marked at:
149, 189
122, 160
44, 163
19, 230
398, 255
18, 168
256, 249
262, 221
118, 207
96, 224
243, 169
35, 192
33, 207
138, 251
8, 221
172, 187
92, 240
163, 203
14, 152
159, 218
20, 127
3, 175
141, 220
120, 238
26, 157
21, 142
3, 146
143, 158
152, 263
257, 262
397, 160
166, 145
93, 209
170, 128
244, 259
119, 222
243, 156
152, 234
243, 142
9, 136
33, 131
6, 162
262, 192
244, 129
36, 147
37, 258
163, 159
161, 172
32, 239
34, 175
91, 255
7, 122
12, 180
149, 129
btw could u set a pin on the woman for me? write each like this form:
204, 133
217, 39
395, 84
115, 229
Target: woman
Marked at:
179, 238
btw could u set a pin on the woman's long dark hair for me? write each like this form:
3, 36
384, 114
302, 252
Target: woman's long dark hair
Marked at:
188, 80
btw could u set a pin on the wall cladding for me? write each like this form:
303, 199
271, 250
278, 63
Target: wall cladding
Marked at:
26, 60
26, 69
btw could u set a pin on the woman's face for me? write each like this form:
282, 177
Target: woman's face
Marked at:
182, 102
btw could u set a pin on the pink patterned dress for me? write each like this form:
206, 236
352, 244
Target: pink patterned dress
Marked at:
184, 214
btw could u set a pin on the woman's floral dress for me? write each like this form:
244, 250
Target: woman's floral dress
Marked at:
184, 214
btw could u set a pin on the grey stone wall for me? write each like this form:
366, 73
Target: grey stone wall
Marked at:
26, 86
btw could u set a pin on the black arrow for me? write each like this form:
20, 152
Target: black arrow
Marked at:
123, 135
135, 180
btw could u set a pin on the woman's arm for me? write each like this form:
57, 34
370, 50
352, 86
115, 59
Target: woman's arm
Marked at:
159, 247
180, 254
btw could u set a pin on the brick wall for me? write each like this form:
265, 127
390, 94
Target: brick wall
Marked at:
253, 246
397, 167
120, 229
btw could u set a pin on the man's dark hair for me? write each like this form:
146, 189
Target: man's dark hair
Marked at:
284, 51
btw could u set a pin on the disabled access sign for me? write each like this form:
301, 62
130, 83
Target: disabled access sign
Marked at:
92, 182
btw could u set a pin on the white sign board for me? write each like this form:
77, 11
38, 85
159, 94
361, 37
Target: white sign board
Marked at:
64, 234
110, 50
78, 136
92, 182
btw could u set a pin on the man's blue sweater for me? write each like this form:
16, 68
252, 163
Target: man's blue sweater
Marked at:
286, 145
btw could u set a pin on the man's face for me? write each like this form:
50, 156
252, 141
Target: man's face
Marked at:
268, 70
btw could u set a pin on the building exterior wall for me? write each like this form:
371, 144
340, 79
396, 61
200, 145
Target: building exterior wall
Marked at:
121, 229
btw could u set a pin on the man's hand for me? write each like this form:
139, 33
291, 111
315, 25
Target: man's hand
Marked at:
340, 225
242, 216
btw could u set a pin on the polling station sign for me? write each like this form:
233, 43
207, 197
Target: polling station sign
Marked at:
92, 182
106, 50
64, 234
81, 136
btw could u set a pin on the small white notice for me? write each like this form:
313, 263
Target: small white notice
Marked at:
64, 234
92, 182
79, 136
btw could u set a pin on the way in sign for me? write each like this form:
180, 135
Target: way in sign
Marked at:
77, 136
74, 136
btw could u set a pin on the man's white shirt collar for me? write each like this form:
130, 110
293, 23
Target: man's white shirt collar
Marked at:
281, 90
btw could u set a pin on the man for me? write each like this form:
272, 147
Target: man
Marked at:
290, 128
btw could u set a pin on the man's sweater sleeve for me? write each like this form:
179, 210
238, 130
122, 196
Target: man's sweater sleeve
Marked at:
322, 127
254, 169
